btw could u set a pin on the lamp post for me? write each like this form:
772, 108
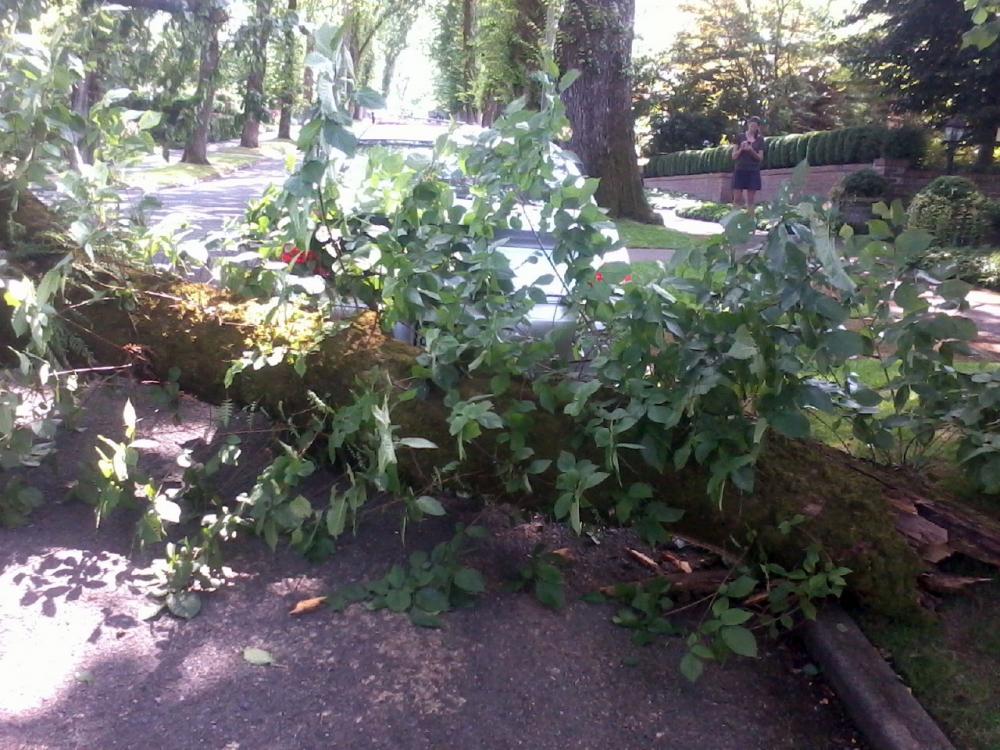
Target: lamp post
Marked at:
954, 132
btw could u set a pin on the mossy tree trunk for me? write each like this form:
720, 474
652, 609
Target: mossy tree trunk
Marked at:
852, 508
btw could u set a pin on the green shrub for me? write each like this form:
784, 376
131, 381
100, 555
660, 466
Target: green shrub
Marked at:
844, 146
839, 152
953, 210
869, 146
908, 142
801, 147
706, 212
865, 184
978, 266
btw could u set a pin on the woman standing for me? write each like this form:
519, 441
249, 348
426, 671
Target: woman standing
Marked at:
748, 156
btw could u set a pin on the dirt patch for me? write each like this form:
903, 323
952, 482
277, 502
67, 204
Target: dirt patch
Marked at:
81, 670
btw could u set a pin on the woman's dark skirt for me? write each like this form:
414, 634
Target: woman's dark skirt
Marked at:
746, 179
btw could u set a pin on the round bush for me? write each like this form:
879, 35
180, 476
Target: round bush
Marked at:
864, 184
953, 210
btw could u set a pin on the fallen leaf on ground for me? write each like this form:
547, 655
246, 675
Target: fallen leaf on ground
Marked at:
258, 657
565, 554
306, 606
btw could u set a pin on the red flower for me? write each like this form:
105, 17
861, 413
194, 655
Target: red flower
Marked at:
599, 276
627, 279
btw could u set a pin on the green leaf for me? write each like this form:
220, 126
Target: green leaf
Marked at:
418, 443
568, 78
740, 640
743, 346
431, 600
398, 600
913, 242
741, 587
258, 657
431, 506
184, 604
735, 616
550, 594
425, 619
792, 424
470, 580
843, 344
692, 667
300, 507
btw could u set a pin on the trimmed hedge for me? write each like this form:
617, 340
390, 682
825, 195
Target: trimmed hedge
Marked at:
856, 145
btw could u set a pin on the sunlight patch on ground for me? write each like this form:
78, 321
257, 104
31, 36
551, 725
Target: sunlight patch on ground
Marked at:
51, 604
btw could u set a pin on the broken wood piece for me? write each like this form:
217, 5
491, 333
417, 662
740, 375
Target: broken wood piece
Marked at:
945, 583
306, 606
565, 554
677, 561
727, 557
972, 534
697, 582
646, 560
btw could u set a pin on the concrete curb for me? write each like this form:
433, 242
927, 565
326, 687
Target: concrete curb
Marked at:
879, 704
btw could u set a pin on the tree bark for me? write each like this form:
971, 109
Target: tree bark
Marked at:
253, 100
287, 96
196, 148
595, 37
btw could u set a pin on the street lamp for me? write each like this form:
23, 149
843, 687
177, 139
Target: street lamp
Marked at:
954, 132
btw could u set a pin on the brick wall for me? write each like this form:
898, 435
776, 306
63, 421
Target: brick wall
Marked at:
820, 181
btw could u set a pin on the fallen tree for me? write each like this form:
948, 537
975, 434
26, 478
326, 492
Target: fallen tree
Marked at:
694, 408
852, 508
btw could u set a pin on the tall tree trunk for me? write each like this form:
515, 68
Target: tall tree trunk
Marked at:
85, 93
987, 142
253, 99
468, 57
389, 70
287, 96
526, 51
595, 37
196, 148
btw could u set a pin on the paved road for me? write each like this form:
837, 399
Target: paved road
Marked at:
208, 205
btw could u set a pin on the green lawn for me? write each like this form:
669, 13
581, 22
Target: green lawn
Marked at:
638, 235
222, 163
952, 665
